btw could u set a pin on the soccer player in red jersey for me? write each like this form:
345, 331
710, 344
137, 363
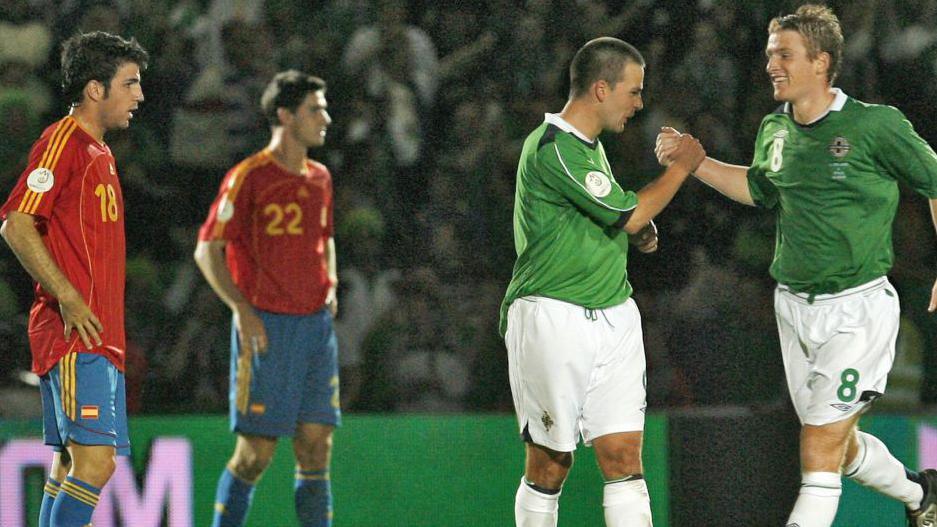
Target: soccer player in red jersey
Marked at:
64, 220
268, 252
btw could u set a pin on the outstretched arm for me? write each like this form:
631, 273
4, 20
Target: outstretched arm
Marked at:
730, 180
686, 157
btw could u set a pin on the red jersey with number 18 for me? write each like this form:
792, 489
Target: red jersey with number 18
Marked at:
71, 188
276, 224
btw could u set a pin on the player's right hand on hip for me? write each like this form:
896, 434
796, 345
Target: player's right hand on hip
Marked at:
77, 316
251, 330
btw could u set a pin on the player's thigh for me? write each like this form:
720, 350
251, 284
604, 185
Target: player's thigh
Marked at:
797, 362
851, 368
312, 445
320, 397
252, 455
266, 392
616, 397
551, 351
87, 396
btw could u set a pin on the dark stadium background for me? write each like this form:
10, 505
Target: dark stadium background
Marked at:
430, 102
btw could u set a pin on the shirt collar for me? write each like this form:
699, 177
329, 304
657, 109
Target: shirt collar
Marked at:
838, 102
563, 124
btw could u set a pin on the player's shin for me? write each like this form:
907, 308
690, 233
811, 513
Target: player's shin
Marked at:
49, 493
232, 500
74, 504
536, 507
313, 494
627, 503
818, 500
876, 468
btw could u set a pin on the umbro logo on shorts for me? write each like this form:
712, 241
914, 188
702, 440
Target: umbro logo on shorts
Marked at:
842, 407
792, 525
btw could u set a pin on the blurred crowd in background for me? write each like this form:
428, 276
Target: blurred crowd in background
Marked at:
431, 102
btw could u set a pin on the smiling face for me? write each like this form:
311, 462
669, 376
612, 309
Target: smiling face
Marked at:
794, 74
310, 121
124, 95
624, 100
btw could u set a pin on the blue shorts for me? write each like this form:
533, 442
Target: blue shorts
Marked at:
294, 381
84, 402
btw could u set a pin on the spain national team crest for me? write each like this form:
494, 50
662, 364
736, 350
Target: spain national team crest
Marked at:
840, 147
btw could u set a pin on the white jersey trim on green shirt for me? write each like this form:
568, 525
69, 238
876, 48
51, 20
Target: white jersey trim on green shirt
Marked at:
563, 124
587, 191
838, 102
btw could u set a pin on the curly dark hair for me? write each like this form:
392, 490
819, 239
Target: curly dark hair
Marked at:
287, 90
96, 56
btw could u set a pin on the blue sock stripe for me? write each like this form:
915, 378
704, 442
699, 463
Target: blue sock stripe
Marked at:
80, 494
52, 487
87, 486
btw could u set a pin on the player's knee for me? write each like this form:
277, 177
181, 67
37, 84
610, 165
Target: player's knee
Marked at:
94, 467
823, 449
313, 453
547, 468
250, 464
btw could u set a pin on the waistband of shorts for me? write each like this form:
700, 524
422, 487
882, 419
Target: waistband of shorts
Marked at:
807, 298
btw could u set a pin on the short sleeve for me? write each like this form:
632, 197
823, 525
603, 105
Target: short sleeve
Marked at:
588, 185
230, 212
903, 154
764, 193
52, 161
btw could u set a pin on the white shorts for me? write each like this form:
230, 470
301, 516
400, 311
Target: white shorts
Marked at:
838, 349
574, 371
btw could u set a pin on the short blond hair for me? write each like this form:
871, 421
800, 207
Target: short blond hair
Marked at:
821, 31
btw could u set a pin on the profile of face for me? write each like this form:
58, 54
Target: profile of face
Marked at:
124, 96
793, 73
622, 101
310, 121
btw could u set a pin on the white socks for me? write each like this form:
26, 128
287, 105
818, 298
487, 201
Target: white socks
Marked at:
818, 499
627, 504
876, 468
535, 509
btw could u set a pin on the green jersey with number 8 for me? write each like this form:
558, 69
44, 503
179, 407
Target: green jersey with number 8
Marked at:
834, 185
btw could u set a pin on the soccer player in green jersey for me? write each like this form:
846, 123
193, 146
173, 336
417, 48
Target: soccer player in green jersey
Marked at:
573, 333
829, 166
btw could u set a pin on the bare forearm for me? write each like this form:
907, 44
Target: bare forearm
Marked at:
730, 180
21, 235
210, 258
655, 196
331, 261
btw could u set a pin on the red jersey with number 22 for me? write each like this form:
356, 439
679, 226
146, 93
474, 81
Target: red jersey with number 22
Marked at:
276, 223
71, 188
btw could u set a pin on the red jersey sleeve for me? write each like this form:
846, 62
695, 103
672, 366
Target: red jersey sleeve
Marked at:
50, 167
229, 215
329, 229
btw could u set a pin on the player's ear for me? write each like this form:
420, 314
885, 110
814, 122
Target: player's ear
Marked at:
284, 115
600, 89
94, 90
822, 63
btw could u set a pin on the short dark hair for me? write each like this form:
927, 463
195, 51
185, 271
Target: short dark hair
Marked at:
602, 58
96, 56
287, 90
821, 31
